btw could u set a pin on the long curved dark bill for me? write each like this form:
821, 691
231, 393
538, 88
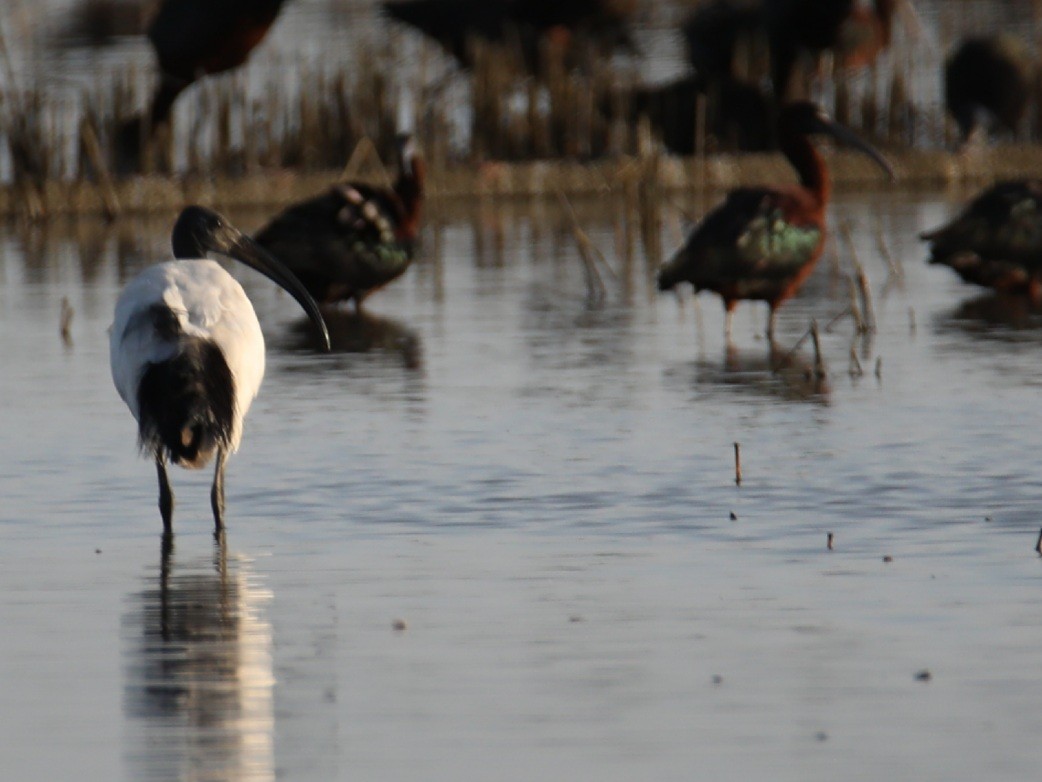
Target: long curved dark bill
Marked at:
199, 230
253, 255
850, 138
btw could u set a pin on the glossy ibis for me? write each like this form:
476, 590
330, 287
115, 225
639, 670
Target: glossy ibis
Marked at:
997, 239
762, 242
526, 24
713, 32
187, 352
992, 74
797, 26
355, 238
738, 114
195, 38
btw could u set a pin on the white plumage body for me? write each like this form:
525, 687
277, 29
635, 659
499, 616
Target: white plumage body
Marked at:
208, 303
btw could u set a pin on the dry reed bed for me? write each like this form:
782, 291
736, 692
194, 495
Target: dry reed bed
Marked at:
631, 179
251, 139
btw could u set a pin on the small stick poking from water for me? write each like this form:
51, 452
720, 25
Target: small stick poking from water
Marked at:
866, 299
855, 363
819, 362
1038, 543
588, 254
855, 309
65, 326
828, 541
737, 464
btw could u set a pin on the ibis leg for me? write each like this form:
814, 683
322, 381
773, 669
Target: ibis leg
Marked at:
217, 493
728, 319
166, 496
770, 325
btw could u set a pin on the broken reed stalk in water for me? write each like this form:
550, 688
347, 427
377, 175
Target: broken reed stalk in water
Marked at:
819, 362
65, 323
588, 253
865, 293
855, 309
895, 269
855, 363
866, 299
738, 464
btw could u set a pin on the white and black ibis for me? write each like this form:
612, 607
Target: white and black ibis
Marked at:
187, 351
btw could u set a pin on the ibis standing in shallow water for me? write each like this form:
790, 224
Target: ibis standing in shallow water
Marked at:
355, 238
763, 242
187, 352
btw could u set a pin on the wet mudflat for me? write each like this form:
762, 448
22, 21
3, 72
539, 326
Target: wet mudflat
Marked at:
490, 536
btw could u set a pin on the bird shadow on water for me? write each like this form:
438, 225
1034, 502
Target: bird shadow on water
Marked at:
1002, 317
777, 373
198, 671
353, 332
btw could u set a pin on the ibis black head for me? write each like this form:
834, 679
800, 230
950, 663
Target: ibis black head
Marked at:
804, 118
199, 231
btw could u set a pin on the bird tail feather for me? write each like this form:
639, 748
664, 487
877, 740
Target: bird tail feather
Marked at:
187, 405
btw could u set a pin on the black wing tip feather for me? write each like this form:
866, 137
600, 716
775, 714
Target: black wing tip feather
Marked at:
191, 394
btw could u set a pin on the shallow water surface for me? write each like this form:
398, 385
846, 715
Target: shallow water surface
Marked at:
490, 535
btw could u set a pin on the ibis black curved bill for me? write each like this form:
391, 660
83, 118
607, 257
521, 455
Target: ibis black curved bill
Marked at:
199, 230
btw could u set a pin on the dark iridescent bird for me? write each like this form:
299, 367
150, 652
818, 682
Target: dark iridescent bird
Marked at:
715, 30
355, 238
527, 24
990, 74
187, 353
737, 114
196, 38
763, 242
795, 27
996, 241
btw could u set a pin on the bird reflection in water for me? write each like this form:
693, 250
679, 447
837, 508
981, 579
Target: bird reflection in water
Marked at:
781, 373
997, 315
360, 332
199, 677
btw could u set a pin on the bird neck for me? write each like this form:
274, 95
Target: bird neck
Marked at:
809, 165
409, 189
163, 99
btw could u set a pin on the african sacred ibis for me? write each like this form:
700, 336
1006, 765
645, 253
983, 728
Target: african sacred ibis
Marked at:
187, 352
